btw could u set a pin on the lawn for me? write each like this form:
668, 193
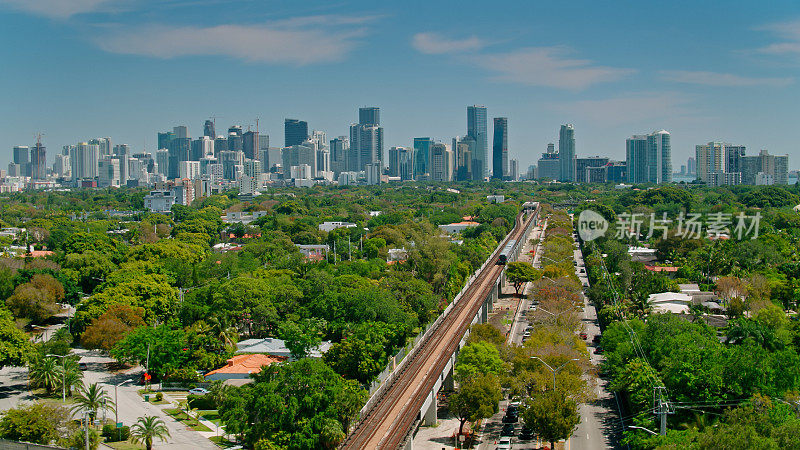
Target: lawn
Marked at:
124, 445
220, 441
181, 416
211, 415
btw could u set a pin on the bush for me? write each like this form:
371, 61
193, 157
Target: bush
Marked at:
112, 434
160, 397
201, 402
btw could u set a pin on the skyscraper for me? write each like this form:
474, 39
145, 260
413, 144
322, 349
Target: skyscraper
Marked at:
500, 149
181, 131
340, 148
295, 132
208, 129
366, 139
566, 152
164, 139
422, 157
549, 165
85, 158
22, 160
649, 158
179, 150
38, 161
250, 145
441, 163
123, 153
477, 128
369, 115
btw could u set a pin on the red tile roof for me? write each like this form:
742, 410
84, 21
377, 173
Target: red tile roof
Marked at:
247, 364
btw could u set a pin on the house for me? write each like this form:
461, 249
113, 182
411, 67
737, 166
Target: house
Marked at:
670, 302
276, 347
642, 254
314, 252
397, 254
457, 227
496, 198
242, 366
330, 226
663, 269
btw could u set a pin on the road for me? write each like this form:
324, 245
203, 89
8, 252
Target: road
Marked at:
13, 391
599, 419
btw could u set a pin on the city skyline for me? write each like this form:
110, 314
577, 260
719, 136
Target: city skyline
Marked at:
112, 81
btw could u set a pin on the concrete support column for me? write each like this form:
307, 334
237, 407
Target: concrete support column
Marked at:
430, 417
449, 384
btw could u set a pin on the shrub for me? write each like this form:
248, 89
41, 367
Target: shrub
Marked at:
160, 397
201, 402
113, 434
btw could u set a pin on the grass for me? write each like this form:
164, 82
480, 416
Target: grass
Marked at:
212, 416
124, 445
220, 441
181, 416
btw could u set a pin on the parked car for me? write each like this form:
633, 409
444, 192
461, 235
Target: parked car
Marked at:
584, 336
510, 419
82, 366
598, 350
596, 339
199, 391
525, 434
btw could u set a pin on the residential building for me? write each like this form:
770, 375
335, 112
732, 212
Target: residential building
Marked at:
123, 152
250, 145
366, 139
691, 166
513, 170
372, 173
159, 201
339, 149
775, 168
209, 129
477, 128
189, 169
300, 154
241, 367
441, 163
21, 157
181, 131
566, 153
108, 172
500, 149
649, 158
179, 150
406, 163
463, 149
422, 157
84, 159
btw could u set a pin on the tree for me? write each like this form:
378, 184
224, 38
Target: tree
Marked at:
112, 326
301, 338
39, 423
14, 344
45, 372
93, 398
36, 299
551, 415
477, 398
479, 358
520, 272
148, 428
162, 346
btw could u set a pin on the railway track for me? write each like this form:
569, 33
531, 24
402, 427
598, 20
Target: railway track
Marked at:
387, 424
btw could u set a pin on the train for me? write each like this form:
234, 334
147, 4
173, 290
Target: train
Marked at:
507, 252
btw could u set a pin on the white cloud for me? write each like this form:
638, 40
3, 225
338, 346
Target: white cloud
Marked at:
548, 66
788, 32
636, 109
721, 79
278, 42
57, 9
434, 44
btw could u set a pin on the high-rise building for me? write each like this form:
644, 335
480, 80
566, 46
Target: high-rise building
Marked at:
250, 145
765, 169
104, 144
649, 158
162, 161
85, 159
263, 152
513, 170
441, 163
295, 132
61, 167
477, 128
691, 166
422, 157
220, 145
122, 153
369, 115
549, 166
164, 139
566, 153
710, 161
366, 139
464, 148
22, 160
406, 157
500, 149
179, 150
181, 131
339, 148
297, 155
209, 129
582, 166
108, 172
394, 161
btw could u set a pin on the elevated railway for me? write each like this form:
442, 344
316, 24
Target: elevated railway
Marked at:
392, 416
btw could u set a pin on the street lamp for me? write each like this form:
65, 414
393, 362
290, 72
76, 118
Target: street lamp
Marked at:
554, 370
644, 429
63, 375
116, 405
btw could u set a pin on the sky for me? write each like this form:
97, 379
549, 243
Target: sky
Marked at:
713, 70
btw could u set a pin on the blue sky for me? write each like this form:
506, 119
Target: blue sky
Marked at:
77, 69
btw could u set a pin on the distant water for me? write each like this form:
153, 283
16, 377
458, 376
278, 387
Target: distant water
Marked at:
688, 179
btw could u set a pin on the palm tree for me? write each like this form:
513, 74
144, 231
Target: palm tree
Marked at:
45, 372
148, 427
72, 379
93, 398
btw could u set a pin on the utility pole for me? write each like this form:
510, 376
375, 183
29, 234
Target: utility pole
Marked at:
86, 425
349, 250
662, 407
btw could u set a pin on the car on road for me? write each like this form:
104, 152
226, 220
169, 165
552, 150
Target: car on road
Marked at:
584, 336
598, 350
510, 418
504, 443
525, 434
526, 334
508, 430
596, 339
199, 391
82, 366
